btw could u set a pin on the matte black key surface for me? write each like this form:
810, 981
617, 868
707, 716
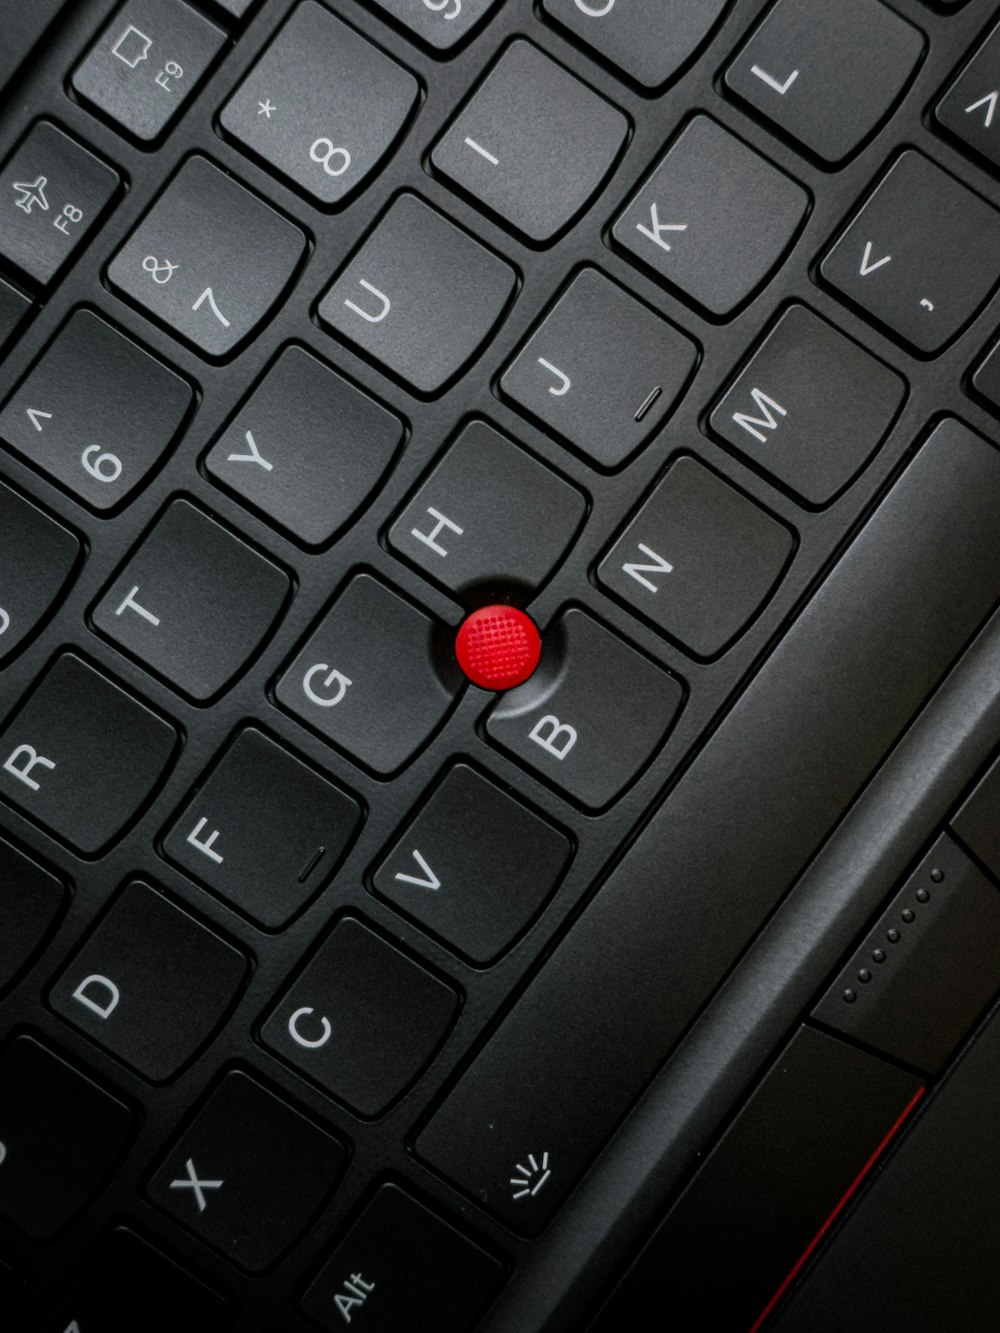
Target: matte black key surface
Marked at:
927, 969
810, 406
319, 78
440, 23
31, 901
592, 715
402, 1266
721, 851
248, 1174
307, 448
147, 63
60, 189
126, 1285
970, 108
60, 1136
649, 39
150, 983
921, 256
488, 516
23, 27
714, 218
533, 144
37, 556
977, 822
193, 602
420, 296
922, 1243
264, 830
362, 1019
14, 307
474, 866
796, 1149
699, 559
81, 755
793, 70
373, 677
605, 395
97, 412
209, 259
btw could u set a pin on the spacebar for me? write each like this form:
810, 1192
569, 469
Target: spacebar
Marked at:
523, 1121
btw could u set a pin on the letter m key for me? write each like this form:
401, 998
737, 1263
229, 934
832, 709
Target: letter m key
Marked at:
769, 410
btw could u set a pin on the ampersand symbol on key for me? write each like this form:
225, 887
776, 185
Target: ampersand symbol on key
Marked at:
159, 272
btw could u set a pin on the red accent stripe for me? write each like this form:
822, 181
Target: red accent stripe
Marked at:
845, 1200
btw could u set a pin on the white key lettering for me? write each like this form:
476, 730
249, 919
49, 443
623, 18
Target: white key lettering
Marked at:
310, 1043
772, 82
430, 539
205, 847
385, 305
767, 407
331, 678
4, 621
639, 572
334, 161
558, 738
655, 233
197, 1187
130, 604
34, 760
352, 1293
105, 1002
429, 880
563, 382
595, 11
254, 456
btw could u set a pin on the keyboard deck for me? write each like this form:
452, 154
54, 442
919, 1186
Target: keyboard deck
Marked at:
325, 974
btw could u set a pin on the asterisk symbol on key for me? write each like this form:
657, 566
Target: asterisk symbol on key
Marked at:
266, 107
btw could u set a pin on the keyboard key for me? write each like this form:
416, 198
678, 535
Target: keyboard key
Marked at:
150, 983
58, 191
922, 254
827, 74
719, 854
445, 1281
194, 602
97, 412
440, 23
264, 831
146, 64
810, 407
372, 677
249, 1204
209, 259
592, 715
37, 556
14, 307
489, 516
699, 559
320, 78
474, 866
23, 28
605, 396
810, 1133
420, 296
81, 755
60, 1137
714, 218
533, 144
987, 378
31, 900
126, 1285
307, 448
649, 40
920, 981
387, 1017
969, 108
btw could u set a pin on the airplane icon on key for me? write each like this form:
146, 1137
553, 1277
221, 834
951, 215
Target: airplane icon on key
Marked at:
32, 196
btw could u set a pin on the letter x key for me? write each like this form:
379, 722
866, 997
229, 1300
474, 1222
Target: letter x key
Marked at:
198, 1186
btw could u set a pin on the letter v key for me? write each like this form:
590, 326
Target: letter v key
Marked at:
429, 881
867, 266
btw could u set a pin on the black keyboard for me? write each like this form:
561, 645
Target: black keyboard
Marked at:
499, 545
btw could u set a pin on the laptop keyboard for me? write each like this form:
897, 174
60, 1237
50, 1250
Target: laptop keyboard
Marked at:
326, 973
